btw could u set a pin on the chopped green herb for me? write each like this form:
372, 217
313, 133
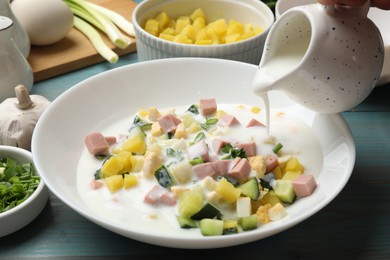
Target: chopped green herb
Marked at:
144, 125
200, 136
277, 148
17, 182
209, 122
231, 152
193, 109
196, 160
265, 184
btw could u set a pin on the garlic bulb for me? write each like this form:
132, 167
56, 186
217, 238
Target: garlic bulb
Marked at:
18, 117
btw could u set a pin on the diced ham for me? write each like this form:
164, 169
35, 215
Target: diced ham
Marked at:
203, 170
168, 198
254, 122
200, 150
270, 163
241, 169
222, 167
218, 144
154, 195
168, 123
160, 195
249, 148
110, 139
208, 106
95, 184
96, 143
227, 120
304, 185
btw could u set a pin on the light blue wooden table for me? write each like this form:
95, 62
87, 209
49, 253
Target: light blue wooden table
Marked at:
356, 225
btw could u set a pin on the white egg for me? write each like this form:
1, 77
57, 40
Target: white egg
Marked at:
46, 21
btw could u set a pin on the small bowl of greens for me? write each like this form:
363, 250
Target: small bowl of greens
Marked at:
23, 194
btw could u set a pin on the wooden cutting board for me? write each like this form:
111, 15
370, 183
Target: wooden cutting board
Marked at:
75, 51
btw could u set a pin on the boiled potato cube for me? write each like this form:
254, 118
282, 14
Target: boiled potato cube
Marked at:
182, 39
247, 35
197, 13
291, 175
125, 158
135, 142
167, 37
235, 28
220, 27
202, 35
212, 35
204, 42
227, 191
169, 31
189, 32
112, 166
180, 24
129, 181
199, 24
152, 26
163, 20
114, 182
293, 164
232, 38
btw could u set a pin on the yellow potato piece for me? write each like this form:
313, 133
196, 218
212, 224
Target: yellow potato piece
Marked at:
114, 182
163, 20
152, 26
194, 29
197, 13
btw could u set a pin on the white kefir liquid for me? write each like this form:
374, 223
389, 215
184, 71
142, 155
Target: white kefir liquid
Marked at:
283, 61
126, 208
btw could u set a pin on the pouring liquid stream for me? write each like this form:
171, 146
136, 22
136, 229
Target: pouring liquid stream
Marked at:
272, 74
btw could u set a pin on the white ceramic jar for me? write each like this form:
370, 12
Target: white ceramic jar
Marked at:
14, 68
19, 34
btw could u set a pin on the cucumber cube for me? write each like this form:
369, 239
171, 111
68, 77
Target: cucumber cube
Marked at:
230, 227
211, 227
250, 189
284, 190
248, 223
186, 222
207, 211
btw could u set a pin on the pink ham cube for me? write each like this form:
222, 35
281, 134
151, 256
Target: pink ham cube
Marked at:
241, 169
304, 185
203, 170
254, 122
96, 143
168, 123
200, 150
218, 144
222, 167
208, 106
228, 120
249, 148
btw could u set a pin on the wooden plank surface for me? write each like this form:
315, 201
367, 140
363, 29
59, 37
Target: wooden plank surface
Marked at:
75, 51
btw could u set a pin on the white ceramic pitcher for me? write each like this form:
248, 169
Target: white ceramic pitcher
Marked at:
326, 58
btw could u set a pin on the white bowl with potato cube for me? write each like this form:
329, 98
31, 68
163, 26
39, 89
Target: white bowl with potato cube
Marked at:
227, 29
